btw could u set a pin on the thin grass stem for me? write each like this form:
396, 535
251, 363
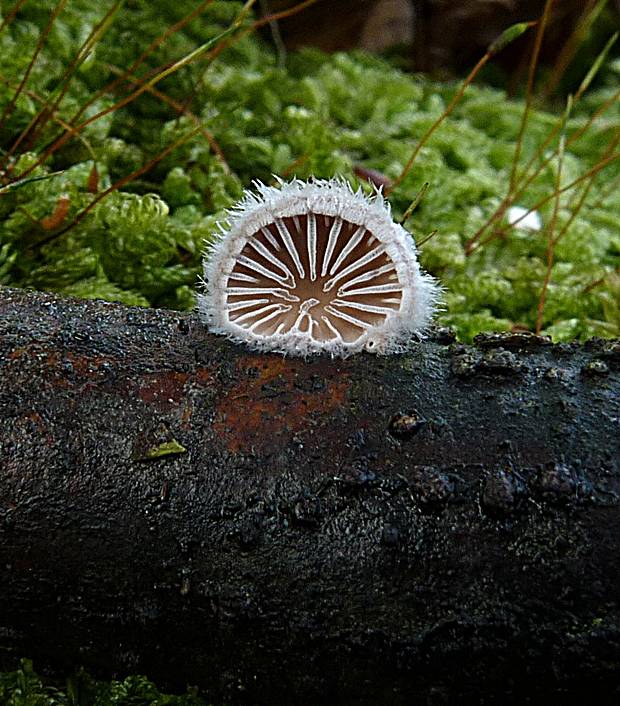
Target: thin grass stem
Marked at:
550, 240
6, 21
182, 110
527, 179
529, 91
592, 171
10, 106
415, 203
503, 40
157, 42
566, 55
39, 118
119, 184
189, 58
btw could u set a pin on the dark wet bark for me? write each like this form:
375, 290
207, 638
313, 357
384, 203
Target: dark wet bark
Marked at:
438, 527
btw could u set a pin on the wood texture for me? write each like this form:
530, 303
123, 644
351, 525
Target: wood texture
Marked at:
436, 527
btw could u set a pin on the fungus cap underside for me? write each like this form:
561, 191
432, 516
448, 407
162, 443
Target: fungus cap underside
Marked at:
310, 267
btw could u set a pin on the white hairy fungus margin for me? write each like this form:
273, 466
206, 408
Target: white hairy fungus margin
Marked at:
312, 267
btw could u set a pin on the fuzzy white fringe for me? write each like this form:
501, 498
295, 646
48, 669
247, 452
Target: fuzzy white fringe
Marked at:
333, 197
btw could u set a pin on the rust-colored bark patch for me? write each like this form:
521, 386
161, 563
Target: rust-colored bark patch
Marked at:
275, 399
163, 388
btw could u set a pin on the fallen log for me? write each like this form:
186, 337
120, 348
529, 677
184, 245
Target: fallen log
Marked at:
435, 527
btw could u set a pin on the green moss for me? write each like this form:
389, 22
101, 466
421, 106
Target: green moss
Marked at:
24, 687
319, 116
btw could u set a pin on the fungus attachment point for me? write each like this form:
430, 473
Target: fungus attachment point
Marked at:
312, 266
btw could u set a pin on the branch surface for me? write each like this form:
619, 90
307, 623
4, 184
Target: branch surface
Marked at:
435, 527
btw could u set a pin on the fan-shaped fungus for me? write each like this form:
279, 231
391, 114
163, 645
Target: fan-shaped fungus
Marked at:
307, 267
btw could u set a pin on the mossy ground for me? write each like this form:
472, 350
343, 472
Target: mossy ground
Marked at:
24, 687
319, 115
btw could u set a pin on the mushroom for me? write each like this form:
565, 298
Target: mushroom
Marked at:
310, 267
